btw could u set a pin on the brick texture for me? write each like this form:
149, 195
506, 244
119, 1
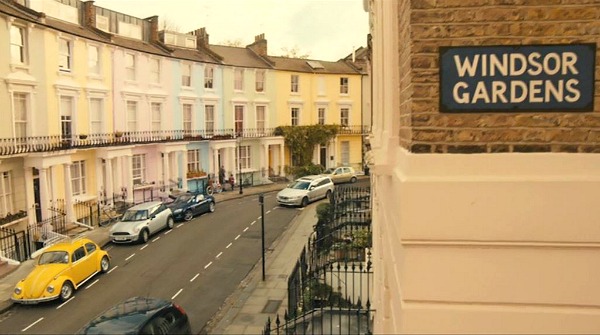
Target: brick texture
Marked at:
426, 25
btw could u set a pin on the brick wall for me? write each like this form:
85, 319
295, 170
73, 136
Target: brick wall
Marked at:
425, 25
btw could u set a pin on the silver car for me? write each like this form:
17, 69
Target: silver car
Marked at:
141, 221
342, 174
306, 189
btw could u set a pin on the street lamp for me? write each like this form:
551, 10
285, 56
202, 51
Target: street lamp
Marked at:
239, 146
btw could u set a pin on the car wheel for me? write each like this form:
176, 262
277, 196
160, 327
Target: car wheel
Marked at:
170, 223
188, 215
304, 202
143, 236
353, 180
66, 291
104, 264
211, 207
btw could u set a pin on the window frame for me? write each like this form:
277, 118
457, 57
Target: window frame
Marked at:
260, 129
96, 67
296, 117
130, 69
155, 70
209, 77
238, 118
186, 74
187, 118
321, 118
345, 152
78, 178
344, 85
345, 118
23, 56
99, 122
259, 85
128, 113
154, 121
294, 83
244, 157
238, 79
193, 160
7, 196
209, 123
23, 123
67, 120
138, 173
65, 55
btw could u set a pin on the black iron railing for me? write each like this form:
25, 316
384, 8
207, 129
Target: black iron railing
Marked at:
354, 130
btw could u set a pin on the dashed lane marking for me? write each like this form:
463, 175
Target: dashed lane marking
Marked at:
31, 325
229, 245
207, 265
126, 259
64, 303
196, 276
92, 284
176, 294
219, 255
113, 269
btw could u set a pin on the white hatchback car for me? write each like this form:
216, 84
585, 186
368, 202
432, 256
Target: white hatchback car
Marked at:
306, 189
341, 174
141, 221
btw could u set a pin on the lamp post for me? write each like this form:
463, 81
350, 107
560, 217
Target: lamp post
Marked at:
261, 200
239, 142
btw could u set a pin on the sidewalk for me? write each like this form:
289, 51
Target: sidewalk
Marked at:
242, 312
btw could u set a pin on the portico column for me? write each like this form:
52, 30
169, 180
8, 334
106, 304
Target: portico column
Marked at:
109, 187
166, 169
184, 162
264, 153
128, 179
233, 165
215, 164
29, 195
281, 159
68, 193
118, 176
44, 201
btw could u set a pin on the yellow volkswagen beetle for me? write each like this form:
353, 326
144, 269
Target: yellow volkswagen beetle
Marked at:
60, 270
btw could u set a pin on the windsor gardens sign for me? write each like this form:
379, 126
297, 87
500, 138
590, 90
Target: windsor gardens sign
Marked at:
517, 78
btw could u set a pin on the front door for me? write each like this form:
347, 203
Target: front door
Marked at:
37, 198
323, 156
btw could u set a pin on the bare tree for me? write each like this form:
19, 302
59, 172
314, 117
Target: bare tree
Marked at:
233, 43
294, 53
169, 25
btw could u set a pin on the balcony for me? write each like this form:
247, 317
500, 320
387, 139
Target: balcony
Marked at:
354, 130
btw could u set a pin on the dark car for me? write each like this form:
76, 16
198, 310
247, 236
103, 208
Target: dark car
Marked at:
140, 315
185, 206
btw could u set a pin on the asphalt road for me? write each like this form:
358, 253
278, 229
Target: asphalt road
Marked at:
197, 264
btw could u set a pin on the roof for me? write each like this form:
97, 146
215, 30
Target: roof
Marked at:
18, 11
237, 56
68, 245
311, 65
145, 205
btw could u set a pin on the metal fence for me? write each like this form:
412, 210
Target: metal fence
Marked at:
14, 244
329, 287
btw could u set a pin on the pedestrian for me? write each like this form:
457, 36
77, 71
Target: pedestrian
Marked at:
222, 175
231, 181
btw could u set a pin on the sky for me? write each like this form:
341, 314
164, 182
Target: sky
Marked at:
322, 29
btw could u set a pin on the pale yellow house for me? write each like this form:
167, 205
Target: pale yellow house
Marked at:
318, 92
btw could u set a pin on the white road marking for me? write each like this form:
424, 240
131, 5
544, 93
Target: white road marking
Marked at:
126, 259
245, 229
113, 269
168, 231
176, 294
31, 325
237, 237
92, 284
219, 255
253, 222
179, 225
156, 239
268, 211
196, 276
64, 303
229, 245
207, 265
258, 218
144, 247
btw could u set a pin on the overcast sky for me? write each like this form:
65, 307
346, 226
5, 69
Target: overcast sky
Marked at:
323, 29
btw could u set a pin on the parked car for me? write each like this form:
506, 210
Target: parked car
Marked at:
341, 174
306, 189
141, 221
60, 270
185, 206
140, 315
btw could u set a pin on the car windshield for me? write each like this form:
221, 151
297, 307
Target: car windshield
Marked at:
299, 185
182, 199
50, 257
135, 215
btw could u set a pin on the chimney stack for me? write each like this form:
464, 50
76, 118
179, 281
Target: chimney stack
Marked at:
201, 38
89, 14
260, 45
153, 28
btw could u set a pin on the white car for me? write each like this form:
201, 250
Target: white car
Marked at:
305, 190
341, 174
141, 221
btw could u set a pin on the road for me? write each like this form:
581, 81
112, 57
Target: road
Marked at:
197, 264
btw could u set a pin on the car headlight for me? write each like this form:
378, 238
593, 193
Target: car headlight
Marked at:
50, 289
137, 229
179, 210
18, 290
